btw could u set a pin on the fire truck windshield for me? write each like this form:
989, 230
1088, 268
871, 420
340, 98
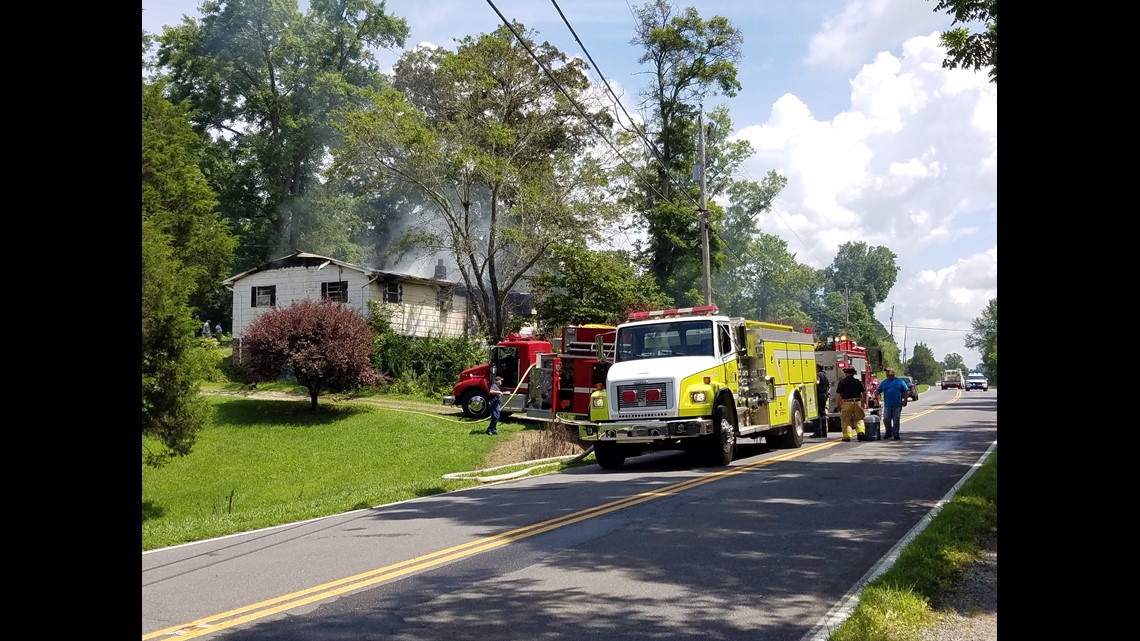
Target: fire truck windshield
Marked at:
660, 340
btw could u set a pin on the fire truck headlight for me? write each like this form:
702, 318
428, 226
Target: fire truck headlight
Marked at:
598, 401
698, 397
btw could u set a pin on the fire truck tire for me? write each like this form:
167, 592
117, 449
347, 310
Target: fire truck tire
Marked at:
721, 444
609, 456
475, 404
794, 437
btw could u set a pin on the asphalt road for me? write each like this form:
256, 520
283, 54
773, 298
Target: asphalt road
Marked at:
766, 548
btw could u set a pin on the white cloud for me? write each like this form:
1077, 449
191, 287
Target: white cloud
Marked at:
910, 165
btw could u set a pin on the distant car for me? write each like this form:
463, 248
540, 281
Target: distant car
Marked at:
977, 380
912, 394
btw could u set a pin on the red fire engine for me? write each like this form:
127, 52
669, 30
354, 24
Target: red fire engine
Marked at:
544, 378
838, 354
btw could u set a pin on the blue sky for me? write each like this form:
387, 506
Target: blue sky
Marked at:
846, 98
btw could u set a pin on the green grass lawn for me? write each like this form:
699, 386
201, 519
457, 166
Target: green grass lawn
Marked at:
259, 463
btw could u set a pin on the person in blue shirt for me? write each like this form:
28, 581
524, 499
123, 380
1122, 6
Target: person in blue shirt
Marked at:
893, 391
496, 400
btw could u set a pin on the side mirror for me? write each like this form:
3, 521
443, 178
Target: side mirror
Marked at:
599, 348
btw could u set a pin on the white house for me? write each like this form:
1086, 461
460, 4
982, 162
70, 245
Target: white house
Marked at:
420, 306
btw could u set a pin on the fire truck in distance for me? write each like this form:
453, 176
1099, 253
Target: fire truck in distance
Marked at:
839, 354
695, 379
543, 378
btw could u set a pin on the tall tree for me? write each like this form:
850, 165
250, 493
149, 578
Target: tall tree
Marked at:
261, 79
495, 151
186, 250
966, 49
178, 200
690, 59
983, 338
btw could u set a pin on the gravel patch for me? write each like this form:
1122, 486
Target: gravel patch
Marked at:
969, 612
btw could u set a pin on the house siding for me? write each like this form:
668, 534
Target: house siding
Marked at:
425, 308
425, 311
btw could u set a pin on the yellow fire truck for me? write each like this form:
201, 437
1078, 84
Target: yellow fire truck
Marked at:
695, 379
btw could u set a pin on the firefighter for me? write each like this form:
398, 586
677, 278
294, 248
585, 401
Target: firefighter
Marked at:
853, 397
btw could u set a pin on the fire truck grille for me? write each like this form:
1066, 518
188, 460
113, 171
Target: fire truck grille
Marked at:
641, 402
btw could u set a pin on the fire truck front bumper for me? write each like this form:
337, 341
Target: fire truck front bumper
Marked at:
449, 400
647, 432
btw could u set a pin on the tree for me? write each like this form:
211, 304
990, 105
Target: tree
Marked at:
186, 249
760, 278
172, 410
983, 338
953, 361
495, 152
870, 271
261, 79
922, 367
690, 59
178, 199
578, 285
324, 345
966, 50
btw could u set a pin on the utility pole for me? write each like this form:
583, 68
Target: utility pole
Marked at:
904, 343
704, 210
847, 310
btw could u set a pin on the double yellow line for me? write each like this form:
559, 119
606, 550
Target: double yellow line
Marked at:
245, 614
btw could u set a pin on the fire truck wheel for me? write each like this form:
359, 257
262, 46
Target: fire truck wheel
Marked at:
722, 442
475, 405
609, 456
794, 437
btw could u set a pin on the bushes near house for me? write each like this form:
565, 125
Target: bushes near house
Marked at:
415, 365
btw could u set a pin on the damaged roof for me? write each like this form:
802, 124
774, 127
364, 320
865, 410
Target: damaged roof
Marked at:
305, 259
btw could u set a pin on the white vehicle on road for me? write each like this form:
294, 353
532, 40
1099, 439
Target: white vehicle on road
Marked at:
977, 380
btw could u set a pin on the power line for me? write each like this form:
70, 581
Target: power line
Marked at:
578, 108
938, 329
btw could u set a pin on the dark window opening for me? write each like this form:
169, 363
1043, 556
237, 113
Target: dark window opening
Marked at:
335, 291
265, 296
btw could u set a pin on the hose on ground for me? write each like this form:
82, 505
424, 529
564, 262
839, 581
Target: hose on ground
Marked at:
539, 464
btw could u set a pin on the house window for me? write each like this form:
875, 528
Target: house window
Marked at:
263, 296
445, 296
393, 292
337, 291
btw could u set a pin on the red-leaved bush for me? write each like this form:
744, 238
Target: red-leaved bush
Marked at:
325, 346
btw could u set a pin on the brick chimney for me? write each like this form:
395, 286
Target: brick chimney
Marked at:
440, 271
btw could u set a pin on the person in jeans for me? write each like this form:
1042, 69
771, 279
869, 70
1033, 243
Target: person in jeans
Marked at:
853, 397
496, 400
893, 391
822, 386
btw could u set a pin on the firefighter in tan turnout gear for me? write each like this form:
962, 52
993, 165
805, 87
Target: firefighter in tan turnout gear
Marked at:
854, 399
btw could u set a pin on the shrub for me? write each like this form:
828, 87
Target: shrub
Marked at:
324, 346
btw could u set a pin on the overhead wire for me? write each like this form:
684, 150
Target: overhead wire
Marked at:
577, 107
